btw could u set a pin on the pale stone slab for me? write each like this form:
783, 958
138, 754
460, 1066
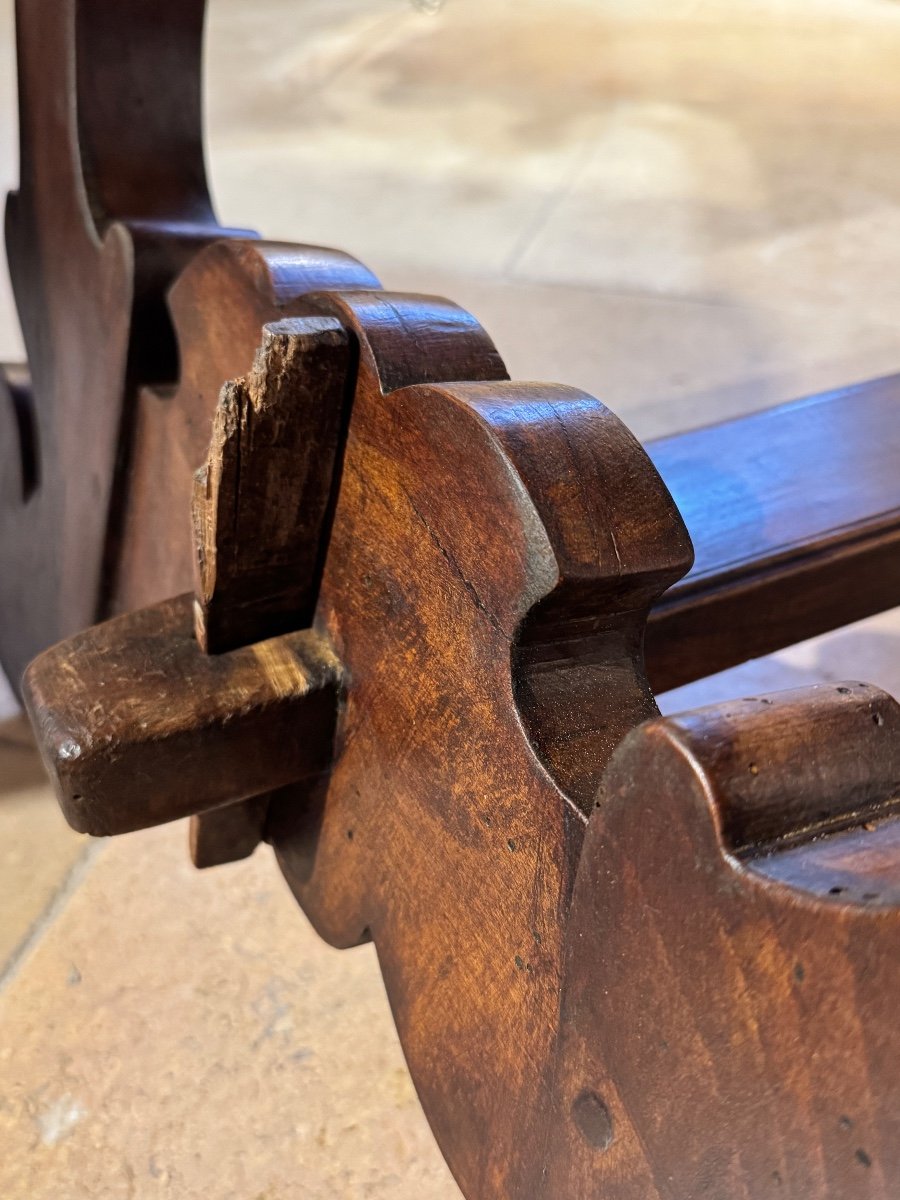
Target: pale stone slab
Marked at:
186, 1035
38, 851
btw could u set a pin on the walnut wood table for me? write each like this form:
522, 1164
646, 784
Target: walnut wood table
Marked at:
315, 572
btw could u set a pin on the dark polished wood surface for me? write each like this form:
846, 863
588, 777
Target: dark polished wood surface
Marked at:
784, 508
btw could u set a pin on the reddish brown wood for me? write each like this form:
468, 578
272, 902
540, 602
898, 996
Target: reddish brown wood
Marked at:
124, 757
700, 1003
261, 510
728, 1014
784, 508
491, 653
219, 305
133, 176
109, 208
261, 503
227, 834
505, 524
515, 537
494, 553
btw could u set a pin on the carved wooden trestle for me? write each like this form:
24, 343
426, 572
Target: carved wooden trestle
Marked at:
401, 638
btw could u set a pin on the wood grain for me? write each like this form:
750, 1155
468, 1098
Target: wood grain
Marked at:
219, 305
679, 985
784, 507
108, 209
262, 500
476, 547
202, 731
112, 209
493, 556
728, 1003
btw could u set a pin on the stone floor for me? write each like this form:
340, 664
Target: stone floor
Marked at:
684, 208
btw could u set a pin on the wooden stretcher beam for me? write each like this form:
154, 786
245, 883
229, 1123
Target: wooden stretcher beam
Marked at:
784, 507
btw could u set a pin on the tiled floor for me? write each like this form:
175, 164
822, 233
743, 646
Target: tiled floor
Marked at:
685, 208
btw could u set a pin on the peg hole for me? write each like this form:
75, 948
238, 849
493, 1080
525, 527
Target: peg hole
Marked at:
593, 1120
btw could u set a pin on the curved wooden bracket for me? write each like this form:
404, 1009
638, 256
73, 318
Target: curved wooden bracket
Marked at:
112, 202
484, 553
728, 1023
494, 548
474, 664
128, 342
